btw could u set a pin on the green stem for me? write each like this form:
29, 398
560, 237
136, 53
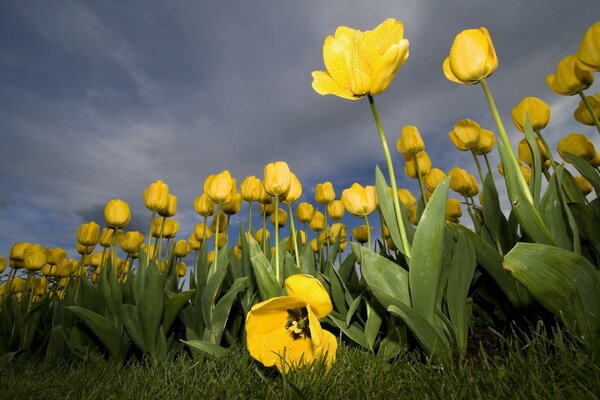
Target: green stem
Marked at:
478, 167
325, 213
547, 148
250, 217
277, 272
217, 238
149, 238
264, 229
160, 236
388, 158
421, 183
368, 233
294, 234
590, 109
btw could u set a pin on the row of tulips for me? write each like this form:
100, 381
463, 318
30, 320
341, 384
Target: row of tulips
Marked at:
424, 280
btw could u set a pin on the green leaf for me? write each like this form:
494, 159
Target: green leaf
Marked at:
386, 279
173, 306
132, 324
207, 348
211, 292
565, 283
427, 252
551, 209
353, 331
493, 217
352, 309
150, 307
374, 320
586, 170
221, 311
103, 328
56, 344
268, 287
462, 269
536, 173
338, 291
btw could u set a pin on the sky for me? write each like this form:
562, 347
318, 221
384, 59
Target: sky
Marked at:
98, 99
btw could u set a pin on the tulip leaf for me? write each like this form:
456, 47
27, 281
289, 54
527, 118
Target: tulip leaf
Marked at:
565, 283
553, 213
493, 217
56, 344
268, 287
352, 309
173, 306
431, 341
207, 348
460, 276
338, 291
427, 253
588, 220
353, 331
374, 320
103, 328
536, 175
151, 306
211, 292
220, 314
307, 260
586, 170
386, 280
521, 200
132, 324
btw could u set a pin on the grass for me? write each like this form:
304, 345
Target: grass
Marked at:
537, 367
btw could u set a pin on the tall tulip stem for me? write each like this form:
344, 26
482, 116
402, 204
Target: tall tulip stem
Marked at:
149, 238
420, 179
590, 109
478, 166
277, 272
216, 261
293, 228
368, 232
388, 158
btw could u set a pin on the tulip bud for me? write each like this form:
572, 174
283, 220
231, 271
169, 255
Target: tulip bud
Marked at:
106, 238
265, 198
422, 160
584, 185
582, 114
204, 205
181, 269
88, 234
170, 229
314, 245
486, 142
281, 218
410, 141
116, 213
304, 212
538, 110
360, 234
219, 187
569, 78
588, 55
460, 181
194, 243
434, 178
222, 239
34, 257
94, 260
181, 248
525, 155
359, 200
412, 214
577, 144
526, 173
202, 232
250, 189
277, 178
171, 209
294, 192
595, 161
262, 235
17, 285
317, 223
55, 256
337, 230
81, 249
465, 135
155, 196
473, 189
324, 193
16, 254
131, 242
223, 225
233, 206
2, 264
237, 252
335, 209
267, 209
472, 57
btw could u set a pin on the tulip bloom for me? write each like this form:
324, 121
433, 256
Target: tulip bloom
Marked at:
171, 208
317, 223
324, 193
461, 180
584, 185
453, 211
250, 189
34, 257
569, 79
361, 63
582, 114
155, 196
233, 206
181, 248
361, 234
434, 178
577, 144
131, 242
406, 197
465, 135
538, 110
285, 331
277, 178
472, 57
359, 200
88, 234
294, 192
423, 161
410, 141
116, 213
220, 187
588, 55
486, 142
304, 212
335, 210
204, 205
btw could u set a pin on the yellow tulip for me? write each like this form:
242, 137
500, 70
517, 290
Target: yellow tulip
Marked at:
281, 218
181, 269
155, 196
181, 248
304, 212
223, 223
461, 180
277, 178
577, 144
34, 257
584, 185
116, 213
538, 110
588, 55
360, 234
472, 57
93, 260
569, 78
406, 197
410, 140
16, 254
465, 135
265, 198
337, 230
202, 232
220, 187
294, 192
324, 193
582, 114
361, 63
422, 160
106, 237
434, 178
262, 235
17, 285
88, 234
2, 264
204, 205
81, 249
300, 235
250, 189
233, 206
194, 243
171, 209
131, 242
473, 189
595, 161
453, 211
55, 255
526, 173
317, 223
359, 200
335, 210
486, 142
412, 214
524, 152
267, 209
222, 239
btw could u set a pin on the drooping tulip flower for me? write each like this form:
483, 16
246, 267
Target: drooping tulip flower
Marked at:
569, 78
538, 110
472, 57
588, 55
582, 114
465, 134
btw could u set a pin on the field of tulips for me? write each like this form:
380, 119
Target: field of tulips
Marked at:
409, 277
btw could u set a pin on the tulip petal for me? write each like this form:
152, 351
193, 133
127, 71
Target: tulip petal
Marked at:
270, 314
308, 290
327, 349
324, 84
450, 75
314, 325
469, 55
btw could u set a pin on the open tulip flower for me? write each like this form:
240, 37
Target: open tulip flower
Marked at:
285, 331
361, 63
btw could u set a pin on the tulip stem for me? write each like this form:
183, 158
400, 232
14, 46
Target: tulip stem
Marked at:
478, 166
420, 179
590, 109
293, 228
326, 231
277, 274
509, 150
250, 217
388, 158
264, 231
547, 148
216, 260
149, 238
369, 233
